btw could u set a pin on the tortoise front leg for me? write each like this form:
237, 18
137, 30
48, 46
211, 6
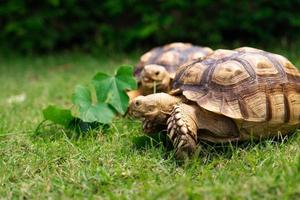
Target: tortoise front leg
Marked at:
186, 120
182, 130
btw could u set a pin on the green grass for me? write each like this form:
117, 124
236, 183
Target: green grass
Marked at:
107, 164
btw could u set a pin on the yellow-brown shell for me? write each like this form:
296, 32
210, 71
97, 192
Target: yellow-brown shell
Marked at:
171, 56
246, 83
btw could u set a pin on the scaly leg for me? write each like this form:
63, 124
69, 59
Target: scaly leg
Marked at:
182, 130
187, 121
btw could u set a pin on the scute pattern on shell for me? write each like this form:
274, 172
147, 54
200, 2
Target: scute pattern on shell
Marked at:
171, 56
246, 83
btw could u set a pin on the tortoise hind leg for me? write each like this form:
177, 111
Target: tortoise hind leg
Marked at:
186, 120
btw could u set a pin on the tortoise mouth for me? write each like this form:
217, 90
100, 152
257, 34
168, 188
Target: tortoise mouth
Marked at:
150, 84
142, 115
151, 80
134, 113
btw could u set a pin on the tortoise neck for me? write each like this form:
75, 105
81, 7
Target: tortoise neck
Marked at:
167, 102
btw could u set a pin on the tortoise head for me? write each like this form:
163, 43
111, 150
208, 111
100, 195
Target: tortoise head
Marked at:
155, 74
153, 107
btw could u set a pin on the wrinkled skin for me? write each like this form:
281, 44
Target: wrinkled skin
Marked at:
155, 73
154, 107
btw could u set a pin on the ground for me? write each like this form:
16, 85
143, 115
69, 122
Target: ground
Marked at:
108, 164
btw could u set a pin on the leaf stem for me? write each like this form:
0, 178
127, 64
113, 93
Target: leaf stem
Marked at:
154, 87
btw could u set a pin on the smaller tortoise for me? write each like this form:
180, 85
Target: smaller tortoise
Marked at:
230, 96
159, 64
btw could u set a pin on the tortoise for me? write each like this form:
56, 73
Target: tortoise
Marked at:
159, 64
232, 95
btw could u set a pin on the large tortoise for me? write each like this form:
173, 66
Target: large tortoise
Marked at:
159, 64
230, 96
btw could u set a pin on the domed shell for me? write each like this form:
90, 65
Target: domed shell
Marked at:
171, 56
246, 83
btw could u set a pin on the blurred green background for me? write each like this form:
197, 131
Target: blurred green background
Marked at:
126, 25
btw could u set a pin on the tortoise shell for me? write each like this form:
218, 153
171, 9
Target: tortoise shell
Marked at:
246, 83
171, 56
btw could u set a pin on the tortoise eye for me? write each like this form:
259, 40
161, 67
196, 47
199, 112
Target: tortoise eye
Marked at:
157, 73
137, 103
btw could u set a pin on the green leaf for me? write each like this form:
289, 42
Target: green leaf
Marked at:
58, 115
82, 97
89, 112
111, 97
111, 89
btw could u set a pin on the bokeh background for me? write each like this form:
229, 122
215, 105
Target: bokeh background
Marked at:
125, 25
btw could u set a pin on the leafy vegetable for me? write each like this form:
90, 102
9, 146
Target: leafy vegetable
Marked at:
111, 89
100, 112
111, 99
58, 115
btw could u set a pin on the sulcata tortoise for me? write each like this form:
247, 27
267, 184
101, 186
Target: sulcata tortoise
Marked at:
229, 96
158, 66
